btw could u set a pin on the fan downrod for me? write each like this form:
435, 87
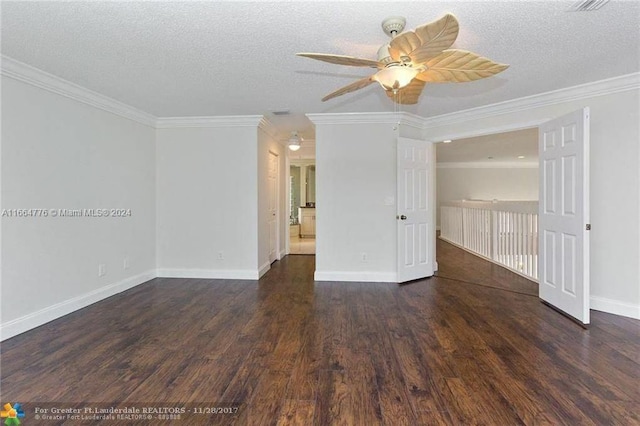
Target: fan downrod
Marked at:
393, 25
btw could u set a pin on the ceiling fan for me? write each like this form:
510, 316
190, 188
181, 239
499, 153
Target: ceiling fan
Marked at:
414, 58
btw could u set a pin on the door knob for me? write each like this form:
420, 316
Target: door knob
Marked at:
402, 217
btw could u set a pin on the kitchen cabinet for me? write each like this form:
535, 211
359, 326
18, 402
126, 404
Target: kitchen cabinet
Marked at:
307, 217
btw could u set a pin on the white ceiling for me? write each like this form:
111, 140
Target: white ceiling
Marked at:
234, 58
502, 147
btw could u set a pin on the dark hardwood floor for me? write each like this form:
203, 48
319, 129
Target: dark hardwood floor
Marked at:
455, 263
286, 350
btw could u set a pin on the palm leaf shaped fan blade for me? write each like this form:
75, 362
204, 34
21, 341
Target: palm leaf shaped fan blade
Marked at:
350, 88
341, 60
414, 58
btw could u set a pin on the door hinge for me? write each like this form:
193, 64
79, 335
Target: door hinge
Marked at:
588, 227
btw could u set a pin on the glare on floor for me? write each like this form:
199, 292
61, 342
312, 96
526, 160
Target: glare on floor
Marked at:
299, 245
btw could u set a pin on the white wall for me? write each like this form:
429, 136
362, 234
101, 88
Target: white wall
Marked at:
60, 153
466, 183
356, 184
355, 171
207, 202
615, 179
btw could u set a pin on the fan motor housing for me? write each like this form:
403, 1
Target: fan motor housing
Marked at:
393, 25
384, 56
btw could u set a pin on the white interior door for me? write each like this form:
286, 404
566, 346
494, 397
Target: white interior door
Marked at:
272, 178
414, 210
564, 214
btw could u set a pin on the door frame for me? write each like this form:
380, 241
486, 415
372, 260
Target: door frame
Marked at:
287, 190
278, 216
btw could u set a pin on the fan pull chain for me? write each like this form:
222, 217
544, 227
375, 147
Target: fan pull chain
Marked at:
396, 99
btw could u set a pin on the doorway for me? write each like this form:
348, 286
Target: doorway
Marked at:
487, 204
302, 206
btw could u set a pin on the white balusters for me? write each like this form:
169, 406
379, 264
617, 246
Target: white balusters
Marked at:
503, 232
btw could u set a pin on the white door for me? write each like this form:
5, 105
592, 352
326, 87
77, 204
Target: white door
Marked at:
272, 177
564, 214
414, 210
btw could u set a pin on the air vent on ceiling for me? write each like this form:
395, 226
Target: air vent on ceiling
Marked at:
588, 5
281, 112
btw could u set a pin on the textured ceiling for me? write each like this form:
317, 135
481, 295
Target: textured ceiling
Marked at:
234, 58
503, 148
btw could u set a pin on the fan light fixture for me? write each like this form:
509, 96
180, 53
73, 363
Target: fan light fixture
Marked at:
294, 141
395, 76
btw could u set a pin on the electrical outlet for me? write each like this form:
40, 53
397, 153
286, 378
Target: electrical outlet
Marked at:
102, 270
126, 263
220, 255
364, 258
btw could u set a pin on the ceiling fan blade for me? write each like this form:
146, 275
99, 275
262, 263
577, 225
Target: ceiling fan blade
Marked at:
426, 41
436, 37
342, 60
349, 88
459, 66
403, 45
409, 94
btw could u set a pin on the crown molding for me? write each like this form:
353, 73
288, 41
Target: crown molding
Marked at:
488, 165
597, 88
268, 127
17, 70
403, 118
412, 120
588, 90
352, 118
211, 121
43, 80
455, 134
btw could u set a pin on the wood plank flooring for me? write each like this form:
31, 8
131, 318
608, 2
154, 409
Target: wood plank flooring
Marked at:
288, 351
458, 264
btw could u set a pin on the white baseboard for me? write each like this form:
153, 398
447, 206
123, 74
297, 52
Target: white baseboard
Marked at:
50, 313
263, 269
221, 274
384, 277
615, 307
